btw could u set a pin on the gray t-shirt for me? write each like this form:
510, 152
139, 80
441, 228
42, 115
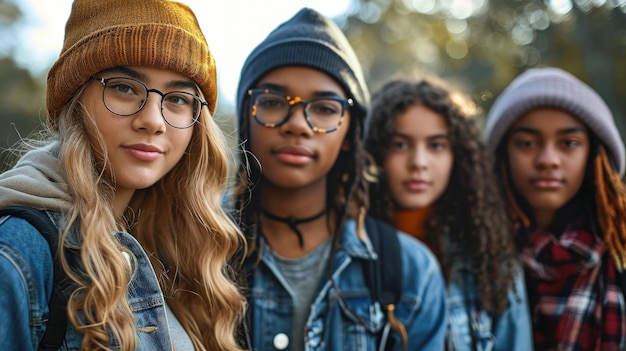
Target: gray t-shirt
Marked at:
303, 276
181, 339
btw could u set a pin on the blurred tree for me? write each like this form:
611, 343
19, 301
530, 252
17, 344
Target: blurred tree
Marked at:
479, 45
21, 94
9, 13
482, 45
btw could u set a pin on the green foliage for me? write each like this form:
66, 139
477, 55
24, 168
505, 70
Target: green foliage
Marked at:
9, 13
481, 46
477, 45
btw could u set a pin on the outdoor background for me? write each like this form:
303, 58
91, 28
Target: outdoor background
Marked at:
477, 45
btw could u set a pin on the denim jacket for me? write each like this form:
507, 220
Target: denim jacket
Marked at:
512, 329
331, 324
26, 268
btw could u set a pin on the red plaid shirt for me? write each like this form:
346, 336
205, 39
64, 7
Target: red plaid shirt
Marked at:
575, 297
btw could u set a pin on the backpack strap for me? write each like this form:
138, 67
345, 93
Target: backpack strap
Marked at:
384, 275
57, 316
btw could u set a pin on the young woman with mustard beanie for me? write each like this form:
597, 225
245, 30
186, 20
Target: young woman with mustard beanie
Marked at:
131, 178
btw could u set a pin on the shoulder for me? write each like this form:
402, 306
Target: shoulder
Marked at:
26, 265
22, 237
24, 249
417, 256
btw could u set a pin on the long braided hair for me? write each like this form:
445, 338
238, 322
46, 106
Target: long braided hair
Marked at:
467, 222
346, 192
602, 194
347, 195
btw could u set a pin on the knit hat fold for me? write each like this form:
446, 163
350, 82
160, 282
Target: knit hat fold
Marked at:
311, 40
104, 34
553, 87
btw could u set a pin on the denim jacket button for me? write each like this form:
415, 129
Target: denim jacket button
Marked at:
281, 341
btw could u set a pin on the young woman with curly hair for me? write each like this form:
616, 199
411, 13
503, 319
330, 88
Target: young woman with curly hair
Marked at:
559, 157
435, 183
301, 104
132, 177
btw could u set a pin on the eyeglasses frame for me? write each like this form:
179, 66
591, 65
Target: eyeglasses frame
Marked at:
296, 100
104, 82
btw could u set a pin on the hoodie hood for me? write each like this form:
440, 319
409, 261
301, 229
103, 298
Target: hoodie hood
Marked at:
37, 181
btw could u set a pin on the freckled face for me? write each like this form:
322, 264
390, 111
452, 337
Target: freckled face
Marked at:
419, 158
548, 151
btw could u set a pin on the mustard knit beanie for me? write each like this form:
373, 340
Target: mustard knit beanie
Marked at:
553, 87
102, 34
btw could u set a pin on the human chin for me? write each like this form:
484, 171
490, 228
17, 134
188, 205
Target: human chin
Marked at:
413, 201
547, 201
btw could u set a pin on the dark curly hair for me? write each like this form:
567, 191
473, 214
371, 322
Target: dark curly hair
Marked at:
468, 221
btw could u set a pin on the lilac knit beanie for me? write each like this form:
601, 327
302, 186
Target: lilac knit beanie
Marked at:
554, 87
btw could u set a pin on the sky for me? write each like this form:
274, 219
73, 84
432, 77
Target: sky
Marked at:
232, 28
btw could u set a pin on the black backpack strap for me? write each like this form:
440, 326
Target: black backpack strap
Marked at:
57, 317
384, 275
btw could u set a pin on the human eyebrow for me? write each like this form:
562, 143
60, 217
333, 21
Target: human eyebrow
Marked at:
127, 71
522, 129
273, 87
397, 134
571, 130
132, 73
284, 90
182, 84
326, 94
438, 136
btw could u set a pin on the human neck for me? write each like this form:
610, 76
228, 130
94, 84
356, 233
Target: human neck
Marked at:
300, 205
543, 219
121, 199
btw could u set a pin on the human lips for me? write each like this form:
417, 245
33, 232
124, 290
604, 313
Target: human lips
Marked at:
416, 185
547, 183
293, 154
143, 152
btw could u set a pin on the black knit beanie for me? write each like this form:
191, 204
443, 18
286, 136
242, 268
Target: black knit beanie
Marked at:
311, 40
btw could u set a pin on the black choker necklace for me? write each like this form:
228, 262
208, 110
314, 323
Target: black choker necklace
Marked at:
293, 222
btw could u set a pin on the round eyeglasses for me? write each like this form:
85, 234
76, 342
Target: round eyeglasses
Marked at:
127, 96
272, 109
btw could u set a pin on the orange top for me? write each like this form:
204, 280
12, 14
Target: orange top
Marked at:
412, 222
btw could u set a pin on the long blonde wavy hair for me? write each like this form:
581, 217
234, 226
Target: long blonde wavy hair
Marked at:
179, 222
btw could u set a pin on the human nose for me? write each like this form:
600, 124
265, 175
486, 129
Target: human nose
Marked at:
418, 158
548, 157
150, 117
296, 122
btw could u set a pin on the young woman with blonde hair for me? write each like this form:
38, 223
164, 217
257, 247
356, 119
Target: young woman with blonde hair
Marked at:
132, 177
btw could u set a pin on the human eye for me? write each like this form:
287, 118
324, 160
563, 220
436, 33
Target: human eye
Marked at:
325, 107
269, 101
439, 145
123, 86
524, 143
398, 144
178, 98
570, 143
